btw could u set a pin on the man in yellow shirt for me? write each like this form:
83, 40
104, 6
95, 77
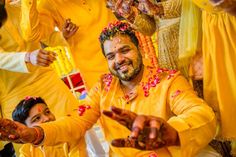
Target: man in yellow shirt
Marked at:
39, 19
161, 101
33, 111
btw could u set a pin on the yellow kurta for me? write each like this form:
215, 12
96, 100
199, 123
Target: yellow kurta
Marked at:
61, 150
189, 115
28, 150
91, 16
40, 81
219, 53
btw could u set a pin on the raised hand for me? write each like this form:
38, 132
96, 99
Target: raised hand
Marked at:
69, 29
121, 7
16, 132
41, 57
149, 8
228, 6
147, 132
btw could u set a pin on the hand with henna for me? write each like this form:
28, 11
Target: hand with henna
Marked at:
228, 6
18, 133
123, 8
69, 29
147, 132
149, 8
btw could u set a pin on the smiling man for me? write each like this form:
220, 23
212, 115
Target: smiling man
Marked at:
157, 111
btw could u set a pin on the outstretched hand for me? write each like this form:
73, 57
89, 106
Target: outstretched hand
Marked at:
16, 132
147, 132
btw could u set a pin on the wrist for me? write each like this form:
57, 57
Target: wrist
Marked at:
38, 135
27, 57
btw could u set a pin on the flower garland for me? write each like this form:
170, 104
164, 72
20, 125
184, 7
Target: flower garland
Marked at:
113, 28
149, 47
64, 64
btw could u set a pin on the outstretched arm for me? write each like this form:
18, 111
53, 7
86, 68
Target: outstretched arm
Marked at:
38, 58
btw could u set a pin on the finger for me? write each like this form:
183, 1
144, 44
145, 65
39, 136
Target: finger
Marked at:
73, 27
124, 113
70, 26
155, 126
67, 22
50, 56
117, 118
43, 62
128, 142
138, 126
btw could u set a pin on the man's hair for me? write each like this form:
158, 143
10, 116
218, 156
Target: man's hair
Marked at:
21, 112
118, 27
3, 12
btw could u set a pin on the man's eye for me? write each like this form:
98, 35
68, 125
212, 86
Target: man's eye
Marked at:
125, 50
110, 57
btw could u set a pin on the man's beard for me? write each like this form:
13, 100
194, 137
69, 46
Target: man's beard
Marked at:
128, 76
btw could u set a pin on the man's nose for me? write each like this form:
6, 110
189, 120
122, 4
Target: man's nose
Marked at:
119, 58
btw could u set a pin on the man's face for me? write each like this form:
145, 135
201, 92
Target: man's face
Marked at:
124, 58
38, 114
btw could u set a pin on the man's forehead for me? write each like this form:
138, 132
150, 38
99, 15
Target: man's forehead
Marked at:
117, 42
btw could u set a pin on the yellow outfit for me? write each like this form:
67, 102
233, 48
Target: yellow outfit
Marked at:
91, 16
168, 34
61, 150
39, 81
219, 54
189, 115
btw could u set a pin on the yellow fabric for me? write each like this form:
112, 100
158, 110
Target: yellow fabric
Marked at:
219, 54
168, 36
91, 16
61, 150
27, 150
189, 33
40, 81
189, 115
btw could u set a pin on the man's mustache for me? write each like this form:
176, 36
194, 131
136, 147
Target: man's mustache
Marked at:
118, 65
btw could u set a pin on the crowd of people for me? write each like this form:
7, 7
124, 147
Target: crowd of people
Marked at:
142, 110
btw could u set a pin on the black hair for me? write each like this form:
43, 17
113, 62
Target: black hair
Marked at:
21, 112
3, 13
115, 28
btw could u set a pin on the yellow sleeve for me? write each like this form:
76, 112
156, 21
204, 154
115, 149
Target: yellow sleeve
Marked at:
172, 8
195, 120
37, 22
25, 150
9, 62
205, 5
71, 128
